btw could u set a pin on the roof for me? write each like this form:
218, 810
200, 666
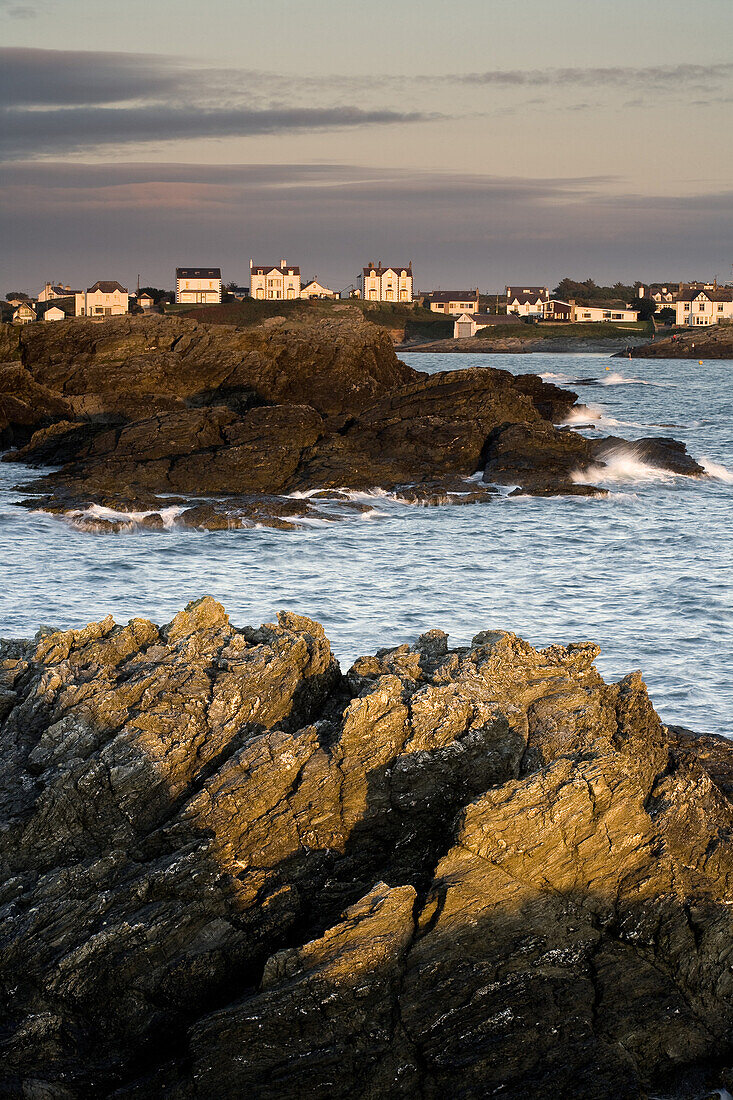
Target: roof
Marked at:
452, 295
712, 295
484, 319
265, 269
527, 299
107, 287
532, 292
198, 273
380, 270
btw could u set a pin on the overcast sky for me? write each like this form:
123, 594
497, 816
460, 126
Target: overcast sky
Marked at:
487, 142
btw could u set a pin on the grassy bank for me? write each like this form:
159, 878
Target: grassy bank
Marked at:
591, 331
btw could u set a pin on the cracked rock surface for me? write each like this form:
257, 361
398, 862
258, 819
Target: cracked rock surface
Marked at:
231, 870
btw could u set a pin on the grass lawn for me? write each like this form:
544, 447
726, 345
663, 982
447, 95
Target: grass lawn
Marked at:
552, 331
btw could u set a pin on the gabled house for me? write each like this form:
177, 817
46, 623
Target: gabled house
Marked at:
386, 284
145, 301
314, 289
24, 314
557, 310
526, 301
452, 301
198, 285
704, 307
274, 281
107, 298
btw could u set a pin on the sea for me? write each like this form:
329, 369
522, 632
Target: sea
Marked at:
646, 572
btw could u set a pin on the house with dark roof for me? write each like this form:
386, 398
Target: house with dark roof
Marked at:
274, 281
386, 284
198, 286
699, 308
468, 324
452, 301
526, 301
106, 298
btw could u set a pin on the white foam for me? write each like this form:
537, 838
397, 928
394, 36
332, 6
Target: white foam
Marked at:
616, 379
716, 470
100, 511
622, 466
582, 416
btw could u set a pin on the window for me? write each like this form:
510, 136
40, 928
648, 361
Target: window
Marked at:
701, 307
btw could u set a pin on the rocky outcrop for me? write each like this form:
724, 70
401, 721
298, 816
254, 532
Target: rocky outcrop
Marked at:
159, 407
708, 342
231, 869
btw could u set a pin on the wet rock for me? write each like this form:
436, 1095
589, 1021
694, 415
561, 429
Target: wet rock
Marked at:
229, 869
659, 451
537, 457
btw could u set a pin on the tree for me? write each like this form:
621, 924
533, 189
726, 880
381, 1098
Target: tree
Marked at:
667, 316
17, 294
647, 307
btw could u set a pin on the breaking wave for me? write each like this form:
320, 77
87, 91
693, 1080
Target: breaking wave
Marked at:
716, 470
622, 467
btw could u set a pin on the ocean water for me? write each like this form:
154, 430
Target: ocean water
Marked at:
646, 572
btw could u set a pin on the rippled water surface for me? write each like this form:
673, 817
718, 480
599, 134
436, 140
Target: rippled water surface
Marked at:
645, 572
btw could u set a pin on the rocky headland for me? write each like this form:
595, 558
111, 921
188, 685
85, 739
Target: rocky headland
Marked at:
228, 423
707, 342
231, 869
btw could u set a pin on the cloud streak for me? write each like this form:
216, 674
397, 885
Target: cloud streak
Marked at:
655, 76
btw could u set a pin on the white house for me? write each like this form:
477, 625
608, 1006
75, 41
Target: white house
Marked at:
107, 298
56, 309
704, 307
314, 289
386, 284
55, 290
452, 301
271, 281
588, 314
198, 285
145, 301
526, 301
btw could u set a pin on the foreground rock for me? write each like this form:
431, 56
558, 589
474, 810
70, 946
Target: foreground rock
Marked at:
139, 408
231, 870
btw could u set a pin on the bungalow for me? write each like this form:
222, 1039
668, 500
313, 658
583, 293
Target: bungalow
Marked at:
314, 289
704, 307
198, 285
527, 301
468, 324
145, 301
386, 284
600, 313
452, 301
274, 281
107, 298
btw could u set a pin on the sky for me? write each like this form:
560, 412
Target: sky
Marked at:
487, 142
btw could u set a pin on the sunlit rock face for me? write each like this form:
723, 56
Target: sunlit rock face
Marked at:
230, 870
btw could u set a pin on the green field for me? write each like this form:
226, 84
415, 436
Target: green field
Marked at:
580, 331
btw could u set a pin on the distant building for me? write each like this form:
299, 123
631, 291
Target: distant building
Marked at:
55, 290
198, 285
56, 309
274, 281
386, 284
600, 313
239, 293
145, 301
107, 298
703, 307
314, 289
452, 301
557, 310
468, 324
526, 301
24, 314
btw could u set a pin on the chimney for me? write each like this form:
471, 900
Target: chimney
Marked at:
251, 264
283, 263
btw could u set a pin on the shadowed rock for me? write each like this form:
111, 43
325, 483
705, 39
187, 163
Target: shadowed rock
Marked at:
231, 870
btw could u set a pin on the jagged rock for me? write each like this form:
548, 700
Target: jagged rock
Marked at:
229, 869
25, 405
